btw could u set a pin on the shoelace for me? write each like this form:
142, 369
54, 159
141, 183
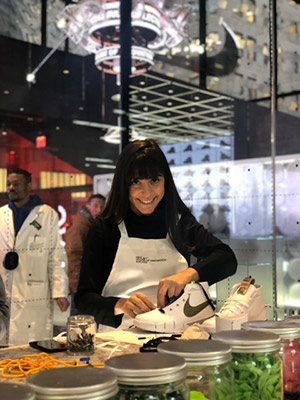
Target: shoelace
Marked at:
151, 345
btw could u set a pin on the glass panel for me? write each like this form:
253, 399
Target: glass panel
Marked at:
287, 167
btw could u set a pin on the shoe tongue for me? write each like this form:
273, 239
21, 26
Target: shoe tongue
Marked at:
245, 285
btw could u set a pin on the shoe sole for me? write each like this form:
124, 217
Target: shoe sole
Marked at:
166, 327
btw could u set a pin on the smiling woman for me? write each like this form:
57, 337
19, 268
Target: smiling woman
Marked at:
138, 252
145, 194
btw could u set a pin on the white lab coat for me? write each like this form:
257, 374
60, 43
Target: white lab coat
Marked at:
40, 276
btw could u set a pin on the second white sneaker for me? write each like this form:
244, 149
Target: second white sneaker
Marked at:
193, 305
246, 303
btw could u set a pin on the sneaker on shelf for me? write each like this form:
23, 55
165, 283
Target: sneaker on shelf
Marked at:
246, 303
193, 305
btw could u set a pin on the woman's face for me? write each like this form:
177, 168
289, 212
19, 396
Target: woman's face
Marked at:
145, 194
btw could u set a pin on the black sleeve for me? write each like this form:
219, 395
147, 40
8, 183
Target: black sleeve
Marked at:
99, 253
4, 310
215, 259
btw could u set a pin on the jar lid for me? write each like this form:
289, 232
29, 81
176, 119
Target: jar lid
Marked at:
81, 318
79, 383
242, 341
15, 391
147, 368
284, 330
198, 352
293, 318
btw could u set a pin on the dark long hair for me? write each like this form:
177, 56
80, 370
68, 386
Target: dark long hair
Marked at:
143, 159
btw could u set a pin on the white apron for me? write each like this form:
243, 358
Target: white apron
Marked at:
139, 265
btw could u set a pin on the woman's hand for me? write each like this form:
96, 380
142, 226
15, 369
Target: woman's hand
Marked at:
174, 284
138, 303
63, 303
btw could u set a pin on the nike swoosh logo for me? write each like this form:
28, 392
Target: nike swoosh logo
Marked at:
191, 311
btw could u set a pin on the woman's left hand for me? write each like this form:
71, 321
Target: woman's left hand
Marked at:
173, 285
63, 303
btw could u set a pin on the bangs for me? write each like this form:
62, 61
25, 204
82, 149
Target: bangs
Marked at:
146, 167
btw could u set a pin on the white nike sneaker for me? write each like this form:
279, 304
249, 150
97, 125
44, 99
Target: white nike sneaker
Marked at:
244, 304
193, 305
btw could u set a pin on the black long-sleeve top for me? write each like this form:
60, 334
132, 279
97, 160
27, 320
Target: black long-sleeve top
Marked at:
4, 311
215, 260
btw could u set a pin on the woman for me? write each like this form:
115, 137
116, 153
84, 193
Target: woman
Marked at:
139, 250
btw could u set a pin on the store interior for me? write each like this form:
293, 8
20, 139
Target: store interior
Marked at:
216, 83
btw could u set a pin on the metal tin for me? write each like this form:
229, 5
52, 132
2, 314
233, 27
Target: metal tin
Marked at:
148, 369
199, 352
150, 376
242, 341
81, 331
209, 372
86, 383
293, 318
283, 329
13, 391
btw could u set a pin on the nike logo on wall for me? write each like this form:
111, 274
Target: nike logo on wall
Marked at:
191, 311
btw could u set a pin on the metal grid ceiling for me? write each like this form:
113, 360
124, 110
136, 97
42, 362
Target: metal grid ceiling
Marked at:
173, 111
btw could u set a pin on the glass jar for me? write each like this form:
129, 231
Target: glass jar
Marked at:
256, 364
86, 383
81, 331
209, 373
150, 376
289, 334
13, 391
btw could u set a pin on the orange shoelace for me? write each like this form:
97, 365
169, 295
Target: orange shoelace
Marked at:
34, 363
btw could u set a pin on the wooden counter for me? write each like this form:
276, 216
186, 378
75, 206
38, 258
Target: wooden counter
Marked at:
104, 349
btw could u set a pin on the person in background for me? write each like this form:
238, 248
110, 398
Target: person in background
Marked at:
4, 311
75, 238
33, 262
146, 235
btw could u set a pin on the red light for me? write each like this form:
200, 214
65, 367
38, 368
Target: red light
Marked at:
41, 141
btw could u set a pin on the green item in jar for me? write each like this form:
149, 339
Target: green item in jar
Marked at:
195, 395
257, 376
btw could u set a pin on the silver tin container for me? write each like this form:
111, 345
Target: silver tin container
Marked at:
86, 383
13, 391
150, 376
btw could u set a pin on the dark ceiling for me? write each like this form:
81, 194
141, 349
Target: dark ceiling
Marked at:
51, 104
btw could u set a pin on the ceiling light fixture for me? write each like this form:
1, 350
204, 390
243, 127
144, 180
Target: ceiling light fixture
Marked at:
30, 77
113, 135
96, 159
94, 124
95, 26
106, 166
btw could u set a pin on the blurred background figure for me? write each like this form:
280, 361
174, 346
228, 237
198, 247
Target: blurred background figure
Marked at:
33, 262
75, 238
215, 220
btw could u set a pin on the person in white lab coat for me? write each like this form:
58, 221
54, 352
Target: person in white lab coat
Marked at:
33, 262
